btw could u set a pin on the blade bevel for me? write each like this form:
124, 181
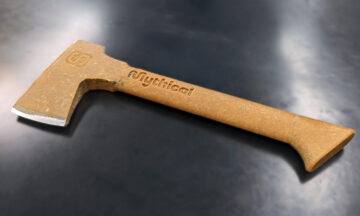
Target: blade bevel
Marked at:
34, 116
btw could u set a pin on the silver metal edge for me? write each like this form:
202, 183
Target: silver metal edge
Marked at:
40, 118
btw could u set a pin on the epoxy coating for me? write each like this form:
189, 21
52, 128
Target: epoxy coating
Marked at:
122, 155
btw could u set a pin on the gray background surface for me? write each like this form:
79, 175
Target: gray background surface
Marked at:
122, 155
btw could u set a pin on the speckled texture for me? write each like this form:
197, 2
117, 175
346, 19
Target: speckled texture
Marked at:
84, 66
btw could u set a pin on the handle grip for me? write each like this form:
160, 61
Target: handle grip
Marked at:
314, 140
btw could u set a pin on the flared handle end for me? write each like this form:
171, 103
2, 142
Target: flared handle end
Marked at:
318, 141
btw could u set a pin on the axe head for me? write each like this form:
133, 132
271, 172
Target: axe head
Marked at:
52, 98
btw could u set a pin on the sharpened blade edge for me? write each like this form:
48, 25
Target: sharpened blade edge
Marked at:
40, 118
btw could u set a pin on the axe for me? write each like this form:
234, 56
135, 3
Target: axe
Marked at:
84, 66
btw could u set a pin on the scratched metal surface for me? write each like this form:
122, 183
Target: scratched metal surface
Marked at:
125, 156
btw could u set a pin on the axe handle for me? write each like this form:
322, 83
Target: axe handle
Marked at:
316, 141
221, 107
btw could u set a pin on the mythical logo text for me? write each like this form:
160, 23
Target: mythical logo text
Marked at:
148, 80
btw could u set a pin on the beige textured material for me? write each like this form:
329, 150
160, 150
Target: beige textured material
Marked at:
83, 66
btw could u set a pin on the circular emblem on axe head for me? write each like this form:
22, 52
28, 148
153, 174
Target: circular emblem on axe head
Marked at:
78, 58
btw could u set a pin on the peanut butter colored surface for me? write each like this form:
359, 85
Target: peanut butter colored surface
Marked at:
84, 66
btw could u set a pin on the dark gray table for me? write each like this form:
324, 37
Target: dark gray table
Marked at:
126, 156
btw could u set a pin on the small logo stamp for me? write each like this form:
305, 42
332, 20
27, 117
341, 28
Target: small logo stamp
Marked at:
78, 58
